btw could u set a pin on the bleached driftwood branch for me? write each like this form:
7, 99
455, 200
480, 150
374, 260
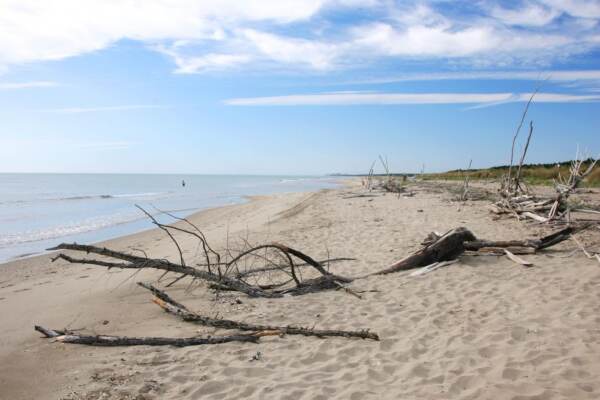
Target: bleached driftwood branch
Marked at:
107, 340
171, 306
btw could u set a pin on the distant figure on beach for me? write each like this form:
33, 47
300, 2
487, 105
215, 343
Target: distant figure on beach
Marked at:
183, 183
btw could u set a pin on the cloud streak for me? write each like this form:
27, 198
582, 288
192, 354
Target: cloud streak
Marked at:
353, 98
541, 75
81, 110
26, 85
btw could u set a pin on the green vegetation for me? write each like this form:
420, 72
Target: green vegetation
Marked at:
534, 174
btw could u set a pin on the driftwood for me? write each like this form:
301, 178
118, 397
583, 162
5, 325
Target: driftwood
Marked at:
368, 183
433, 267
171, 306
515, 196
279, 267
546, 210
325, 281
565, 187
536, 244
436, 249
511, 186
465, 187
516, 259
445, 248
587, 254
499, 251
135, 262
104, 340
455, 242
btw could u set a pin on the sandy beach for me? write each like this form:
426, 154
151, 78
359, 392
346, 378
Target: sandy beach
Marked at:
484, 328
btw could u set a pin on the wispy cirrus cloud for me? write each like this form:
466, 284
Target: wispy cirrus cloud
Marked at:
577, 8
377, 98
27, 85
530, 14
80, 110
541, 75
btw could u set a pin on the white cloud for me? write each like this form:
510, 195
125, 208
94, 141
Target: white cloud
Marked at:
425, 33
540, 76
32, 30
354, 98
190, 64
576, 8
206, 35
80, 110
559, 98
210, 61
531, 14
26, 85
289, 50
423, 41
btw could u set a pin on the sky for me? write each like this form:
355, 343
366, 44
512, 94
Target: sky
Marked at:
297, 87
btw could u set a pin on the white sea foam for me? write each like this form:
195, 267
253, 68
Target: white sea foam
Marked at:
72, 228
88, 197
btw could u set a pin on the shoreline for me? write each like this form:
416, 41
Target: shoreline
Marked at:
481, 328
101, 242
247, 199
23, 276
104, 234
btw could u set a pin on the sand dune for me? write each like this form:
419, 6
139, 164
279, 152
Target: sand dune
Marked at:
484, 328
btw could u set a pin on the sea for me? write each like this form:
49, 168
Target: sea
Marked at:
38, 211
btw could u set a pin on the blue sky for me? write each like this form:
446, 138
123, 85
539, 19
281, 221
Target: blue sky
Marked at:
292, 86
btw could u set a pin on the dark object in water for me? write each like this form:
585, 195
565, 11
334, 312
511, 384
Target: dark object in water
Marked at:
183, 183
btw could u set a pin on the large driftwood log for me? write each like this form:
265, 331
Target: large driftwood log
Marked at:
536, 244
104, 340
164, 301
452, 244
447, 247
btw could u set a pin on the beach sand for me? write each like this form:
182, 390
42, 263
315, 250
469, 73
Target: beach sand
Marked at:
484, 328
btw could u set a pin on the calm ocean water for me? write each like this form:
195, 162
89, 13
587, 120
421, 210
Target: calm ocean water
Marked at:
38, 211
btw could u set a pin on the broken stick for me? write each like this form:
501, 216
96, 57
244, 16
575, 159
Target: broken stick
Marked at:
516, 259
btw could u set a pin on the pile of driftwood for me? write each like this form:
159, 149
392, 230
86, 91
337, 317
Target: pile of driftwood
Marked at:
388, 182
517, 198
523, 204
284, 272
